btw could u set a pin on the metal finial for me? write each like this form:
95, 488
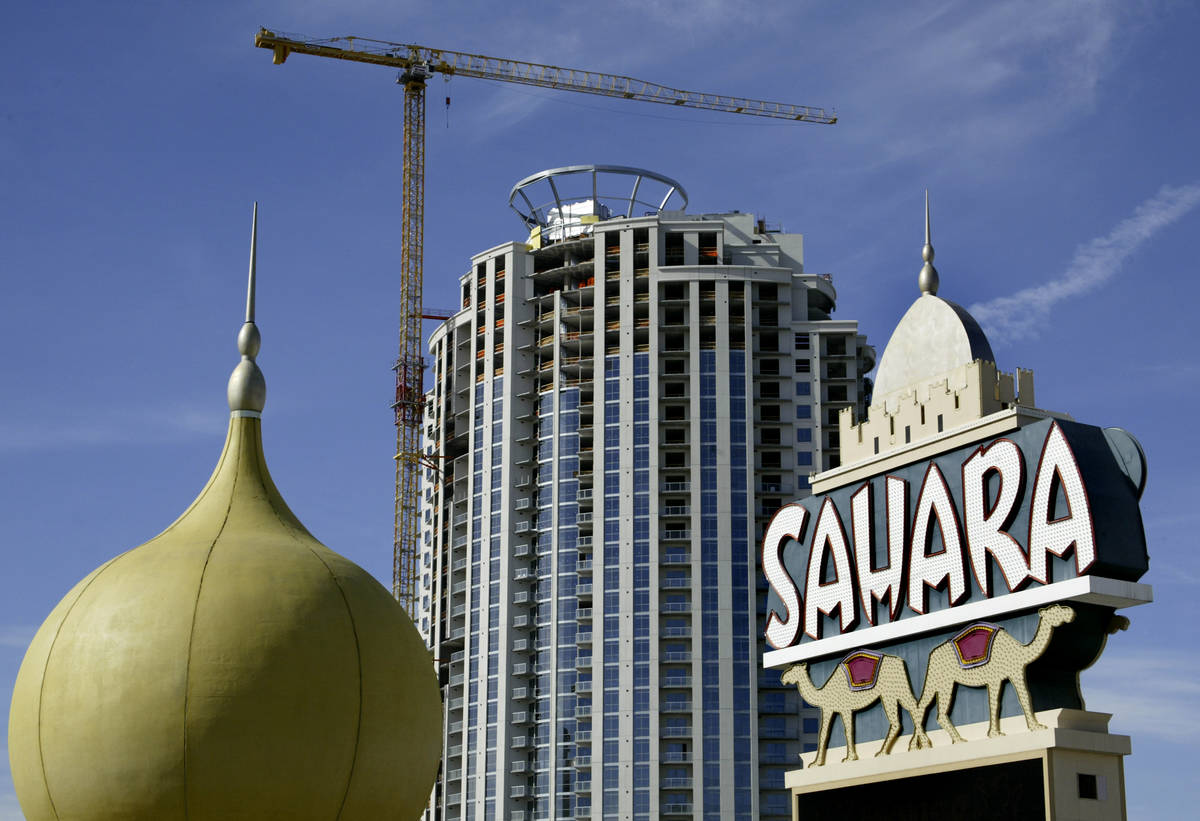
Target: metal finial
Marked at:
928, 280
247, 391
254, 257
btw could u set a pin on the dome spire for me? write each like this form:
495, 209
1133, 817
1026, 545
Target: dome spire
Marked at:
928, 280
247, 391
254, 259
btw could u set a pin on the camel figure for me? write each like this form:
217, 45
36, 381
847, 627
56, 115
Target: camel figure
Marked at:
984, 655
861, 679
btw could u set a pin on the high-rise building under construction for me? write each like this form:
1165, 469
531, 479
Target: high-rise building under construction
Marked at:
616, 411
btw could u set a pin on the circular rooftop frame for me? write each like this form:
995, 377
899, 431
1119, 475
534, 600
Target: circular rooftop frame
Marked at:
566, 202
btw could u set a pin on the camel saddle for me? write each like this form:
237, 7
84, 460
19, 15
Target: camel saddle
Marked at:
862, 669
973, 646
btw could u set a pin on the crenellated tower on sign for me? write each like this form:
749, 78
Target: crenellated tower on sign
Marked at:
947, 583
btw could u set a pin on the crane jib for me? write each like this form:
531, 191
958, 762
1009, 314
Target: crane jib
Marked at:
402, 56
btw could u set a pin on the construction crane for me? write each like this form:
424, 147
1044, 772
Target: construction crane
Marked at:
417, 64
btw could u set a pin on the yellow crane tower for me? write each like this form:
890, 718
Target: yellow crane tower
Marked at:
417, 64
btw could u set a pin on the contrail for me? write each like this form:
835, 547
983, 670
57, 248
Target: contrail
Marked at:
1094, 263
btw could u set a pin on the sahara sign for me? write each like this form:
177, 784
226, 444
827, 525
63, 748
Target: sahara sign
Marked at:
1048, 512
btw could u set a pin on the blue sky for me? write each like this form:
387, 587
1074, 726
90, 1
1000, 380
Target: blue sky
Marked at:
1057, 138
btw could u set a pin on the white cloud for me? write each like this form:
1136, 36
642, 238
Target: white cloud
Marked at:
1095, 262
505, 108
172, 422
977, 79
16, 636
10, 808
705, 19
1151, 693
915, 78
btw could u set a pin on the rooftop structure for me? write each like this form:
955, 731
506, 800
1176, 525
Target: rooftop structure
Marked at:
571, 200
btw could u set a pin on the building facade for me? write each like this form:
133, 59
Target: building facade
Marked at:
616, 412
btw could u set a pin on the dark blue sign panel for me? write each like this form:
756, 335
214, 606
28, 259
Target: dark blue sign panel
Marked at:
1051, 501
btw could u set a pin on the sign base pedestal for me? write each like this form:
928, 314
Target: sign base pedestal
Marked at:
1073, 769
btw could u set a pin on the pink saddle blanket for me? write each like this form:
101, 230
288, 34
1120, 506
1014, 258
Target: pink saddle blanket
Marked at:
862, 669
973, 646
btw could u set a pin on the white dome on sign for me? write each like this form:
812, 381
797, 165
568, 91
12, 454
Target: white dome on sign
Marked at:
934, 336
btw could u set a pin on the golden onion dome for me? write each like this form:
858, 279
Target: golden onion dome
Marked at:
233, 667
